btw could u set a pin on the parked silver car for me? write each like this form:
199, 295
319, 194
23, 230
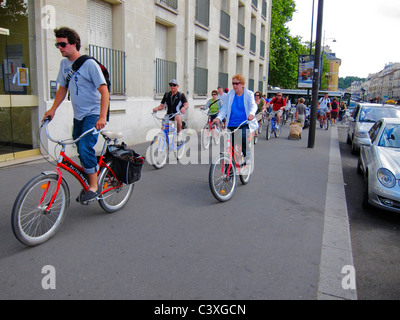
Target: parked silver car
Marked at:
363, 118
379, 162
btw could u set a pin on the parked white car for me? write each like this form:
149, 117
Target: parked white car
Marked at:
363, 118
379, 162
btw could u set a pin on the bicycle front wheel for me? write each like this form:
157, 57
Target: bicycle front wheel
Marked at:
180, 146
277, 131
245, 172
216, 134
116, 194
206, 137
159, 151
222, 178
268, 130
33, 220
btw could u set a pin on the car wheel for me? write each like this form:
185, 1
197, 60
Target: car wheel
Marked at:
365, 203
359, 164
348, 140
353, 149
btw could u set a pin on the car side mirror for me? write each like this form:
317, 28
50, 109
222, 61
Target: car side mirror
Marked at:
366, 143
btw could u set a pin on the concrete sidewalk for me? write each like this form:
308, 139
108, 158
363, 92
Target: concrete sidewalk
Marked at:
285, 235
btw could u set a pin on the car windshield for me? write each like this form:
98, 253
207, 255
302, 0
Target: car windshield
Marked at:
373, 114
390, 136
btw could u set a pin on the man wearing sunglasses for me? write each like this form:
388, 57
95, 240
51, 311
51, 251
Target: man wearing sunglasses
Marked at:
89, 97
278, 105
174, 101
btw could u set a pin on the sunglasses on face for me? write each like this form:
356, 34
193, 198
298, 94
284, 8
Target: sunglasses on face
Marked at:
214, 94
173, 85
236, 83
61, 44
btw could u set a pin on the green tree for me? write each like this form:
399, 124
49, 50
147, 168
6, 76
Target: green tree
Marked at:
345, 83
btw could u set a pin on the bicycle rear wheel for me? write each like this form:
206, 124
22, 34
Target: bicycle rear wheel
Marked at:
326, 124
159, 150
32, 221
180, 150
222, 183
118, 194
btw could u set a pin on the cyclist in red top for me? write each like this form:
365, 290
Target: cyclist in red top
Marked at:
278, 104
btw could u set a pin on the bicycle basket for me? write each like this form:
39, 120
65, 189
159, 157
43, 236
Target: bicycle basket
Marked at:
127, 163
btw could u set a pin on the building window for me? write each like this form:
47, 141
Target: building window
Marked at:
225, 27
200, 68
100, 30
99, 23
169, 3
166, 66
203, 12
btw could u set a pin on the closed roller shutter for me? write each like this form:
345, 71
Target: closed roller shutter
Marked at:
100, 23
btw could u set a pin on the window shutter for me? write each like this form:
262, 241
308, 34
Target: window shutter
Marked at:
100, 23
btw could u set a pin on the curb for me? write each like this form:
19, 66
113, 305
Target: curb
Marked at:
336, 252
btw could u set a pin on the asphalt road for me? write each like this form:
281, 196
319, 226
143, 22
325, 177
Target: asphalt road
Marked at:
375, 236
175, 241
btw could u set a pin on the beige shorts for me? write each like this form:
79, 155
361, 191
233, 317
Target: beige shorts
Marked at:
273, 113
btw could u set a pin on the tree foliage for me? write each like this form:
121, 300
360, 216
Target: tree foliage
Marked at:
284, 49
345, 83
13, 12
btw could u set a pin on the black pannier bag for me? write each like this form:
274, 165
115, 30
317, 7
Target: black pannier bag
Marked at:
127, 163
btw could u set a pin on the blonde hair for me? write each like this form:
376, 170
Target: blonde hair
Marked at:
240, 77
301, 100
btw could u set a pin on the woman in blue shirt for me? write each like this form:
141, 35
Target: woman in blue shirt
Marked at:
240, 106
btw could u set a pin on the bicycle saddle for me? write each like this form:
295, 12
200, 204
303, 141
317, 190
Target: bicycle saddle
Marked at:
112, 134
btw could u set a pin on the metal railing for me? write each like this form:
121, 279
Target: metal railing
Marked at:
114, 61
251, 84
200, 81
165, 71
253, 43
225, 28
203, 12
171, 3
241, 35
262, 49
223, 79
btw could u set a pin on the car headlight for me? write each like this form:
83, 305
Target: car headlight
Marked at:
386, 177
361, 134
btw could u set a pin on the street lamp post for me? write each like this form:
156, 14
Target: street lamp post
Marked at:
312, 29
315, 87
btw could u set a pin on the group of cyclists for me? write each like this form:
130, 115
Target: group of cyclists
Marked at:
278, 106
330, 110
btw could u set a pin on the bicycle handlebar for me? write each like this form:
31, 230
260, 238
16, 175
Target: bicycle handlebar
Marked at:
208, 113
66, 141
169, 116
238, 127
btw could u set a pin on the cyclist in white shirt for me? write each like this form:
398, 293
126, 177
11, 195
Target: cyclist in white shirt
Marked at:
324, 105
